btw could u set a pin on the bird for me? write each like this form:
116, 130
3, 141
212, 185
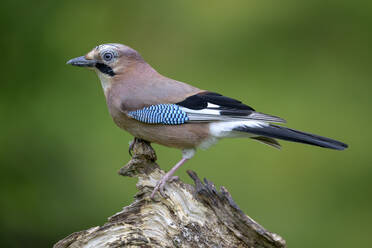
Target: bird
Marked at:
160, 110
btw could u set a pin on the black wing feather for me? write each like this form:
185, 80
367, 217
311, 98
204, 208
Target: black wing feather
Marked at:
224, 101
194, 102
200, 101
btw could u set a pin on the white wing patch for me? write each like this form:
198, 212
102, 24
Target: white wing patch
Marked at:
211, 105
205, 111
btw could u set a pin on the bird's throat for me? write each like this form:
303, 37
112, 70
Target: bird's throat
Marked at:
106, 81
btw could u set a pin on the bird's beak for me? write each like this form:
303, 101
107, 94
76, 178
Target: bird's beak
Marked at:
82, 61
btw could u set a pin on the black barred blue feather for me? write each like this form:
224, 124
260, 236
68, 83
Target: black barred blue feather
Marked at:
169, 114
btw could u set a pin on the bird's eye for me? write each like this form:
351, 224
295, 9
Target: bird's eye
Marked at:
108, 56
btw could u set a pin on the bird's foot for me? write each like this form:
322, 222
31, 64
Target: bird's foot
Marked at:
161, 184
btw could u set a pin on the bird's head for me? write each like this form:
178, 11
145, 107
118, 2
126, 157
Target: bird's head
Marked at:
108, 60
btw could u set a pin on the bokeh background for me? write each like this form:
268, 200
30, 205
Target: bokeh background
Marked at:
308, 61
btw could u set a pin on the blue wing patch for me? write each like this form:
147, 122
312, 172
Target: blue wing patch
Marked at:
169, 114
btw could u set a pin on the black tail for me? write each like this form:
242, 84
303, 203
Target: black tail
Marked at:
284, 133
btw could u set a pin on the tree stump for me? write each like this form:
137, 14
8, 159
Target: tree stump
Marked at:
190, 216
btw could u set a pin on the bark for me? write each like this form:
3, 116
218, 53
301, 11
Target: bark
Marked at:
190, 216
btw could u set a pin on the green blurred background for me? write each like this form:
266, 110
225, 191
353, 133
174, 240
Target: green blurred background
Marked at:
309, 62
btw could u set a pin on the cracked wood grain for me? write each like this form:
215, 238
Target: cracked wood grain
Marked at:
190, 216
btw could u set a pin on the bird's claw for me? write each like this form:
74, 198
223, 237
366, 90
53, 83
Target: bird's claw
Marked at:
161, 184
173, 179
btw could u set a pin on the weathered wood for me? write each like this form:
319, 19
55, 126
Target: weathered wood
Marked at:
190, 216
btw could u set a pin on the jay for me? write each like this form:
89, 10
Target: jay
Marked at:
158, 109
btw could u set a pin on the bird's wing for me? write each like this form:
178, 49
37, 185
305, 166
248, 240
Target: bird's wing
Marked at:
201, 107
210, 106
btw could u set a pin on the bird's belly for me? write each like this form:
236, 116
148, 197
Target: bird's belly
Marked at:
178, 136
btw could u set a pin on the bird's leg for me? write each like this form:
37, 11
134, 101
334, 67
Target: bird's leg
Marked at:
168, 177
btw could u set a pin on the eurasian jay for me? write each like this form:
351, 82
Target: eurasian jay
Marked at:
158, 109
